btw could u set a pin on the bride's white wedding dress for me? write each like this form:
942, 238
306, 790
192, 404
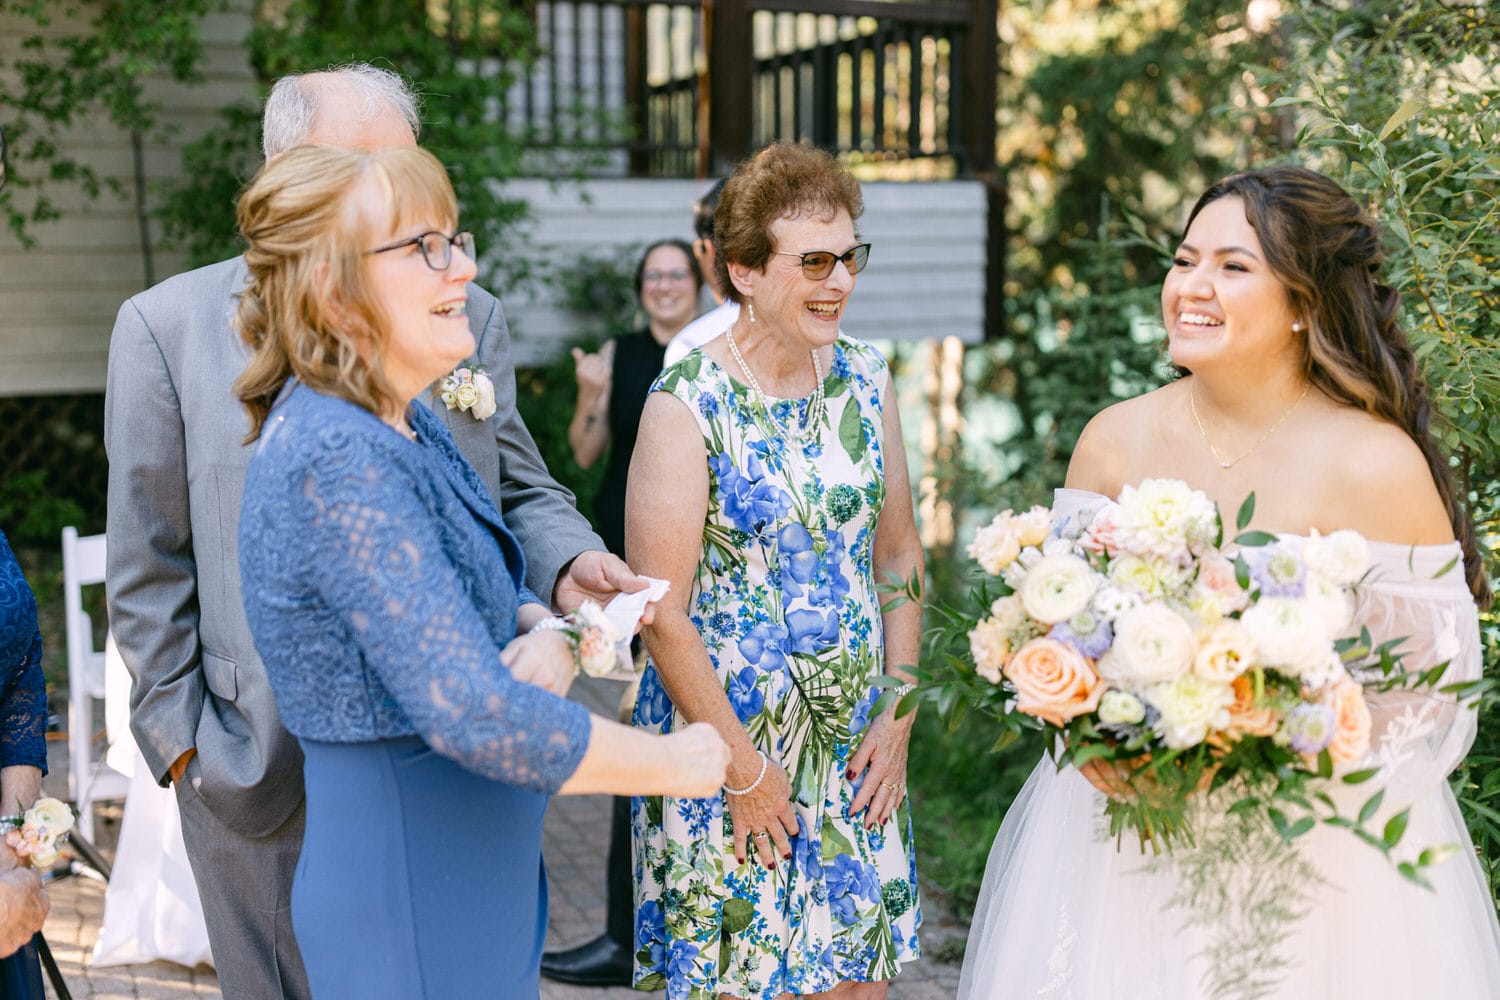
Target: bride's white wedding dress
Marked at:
1064, 914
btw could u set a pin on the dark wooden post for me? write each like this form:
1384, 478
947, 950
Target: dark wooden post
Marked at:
981, 74
635, 91
731, 62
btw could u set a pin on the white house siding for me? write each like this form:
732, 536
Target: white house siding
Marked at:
58, 300
925, 277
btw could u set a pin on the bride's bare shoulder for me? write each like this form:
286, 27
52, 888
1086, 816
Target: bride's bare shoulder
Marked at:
1380, 482
1106, 450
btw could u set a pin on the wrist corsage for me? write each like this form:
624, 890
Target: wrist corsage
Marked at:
594, 638
40, 832
469, 388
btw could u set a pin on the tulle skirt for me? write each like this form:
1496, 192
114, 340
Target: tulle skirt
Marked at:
1065, 913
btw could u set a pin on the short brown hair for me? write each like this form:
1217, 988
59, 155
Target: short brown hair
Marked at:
308, 311
783, 180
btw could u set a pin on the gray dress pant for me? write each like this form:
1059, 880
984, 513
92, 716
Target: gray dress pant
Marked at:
246, 887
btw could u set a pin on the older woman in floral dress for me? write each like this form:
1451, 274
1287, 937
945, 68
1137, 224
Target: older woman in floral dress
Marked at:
769, 485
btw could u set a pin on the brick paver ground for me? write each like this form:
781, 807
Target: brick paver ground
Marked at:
577, 832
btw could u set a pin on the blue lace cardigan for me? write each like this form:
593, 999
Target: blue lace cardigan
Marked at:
23, 690
380, 585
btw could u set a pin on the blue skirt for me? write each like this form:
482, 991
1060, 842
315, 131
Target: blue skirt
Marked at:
417, 878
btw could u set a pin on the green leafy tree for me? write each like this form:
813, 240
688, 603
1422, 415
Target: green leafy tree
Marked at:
61, 74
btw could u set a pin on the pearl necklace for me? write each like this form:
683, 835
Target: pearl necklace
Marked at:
814, 405
1193, 405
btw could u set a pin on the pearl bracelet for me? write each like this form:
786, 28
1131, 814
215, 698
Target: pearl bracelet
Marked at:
556, 623
764, 763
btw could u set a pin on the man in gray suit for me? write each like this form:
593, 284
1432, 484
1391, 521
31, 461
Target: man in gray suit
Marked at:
201, 708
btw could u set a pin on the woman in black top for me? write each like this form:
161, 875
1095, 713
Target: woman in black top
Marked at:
612, 388
612, 384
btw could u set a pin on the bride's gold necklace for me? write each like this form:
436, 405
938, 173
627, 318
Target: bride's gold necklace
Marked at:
1225, 464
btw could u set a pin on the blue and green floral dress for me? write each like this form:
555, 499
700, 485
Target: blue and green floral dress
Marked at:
786, 603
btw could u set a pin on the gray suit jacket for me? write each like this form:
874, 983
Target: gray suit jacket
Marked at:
174, 433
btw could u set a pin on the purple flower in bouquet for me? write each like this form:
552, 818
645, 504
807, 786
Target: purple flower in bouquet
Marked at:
1310, 727
1086, 632
1277, 571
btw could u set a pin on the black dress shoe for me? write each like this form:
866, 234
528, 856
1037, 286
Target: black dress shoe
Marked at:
601, 962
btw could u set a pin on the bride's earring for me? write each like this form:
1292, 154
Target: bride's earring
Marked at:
1296, 326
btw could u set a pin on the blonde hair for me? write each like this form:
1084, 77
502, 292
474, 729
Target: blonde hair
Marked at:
308, 311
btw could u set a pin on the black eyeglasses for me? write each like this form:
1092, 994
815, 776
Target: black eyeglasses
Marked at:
437, 248
818, 264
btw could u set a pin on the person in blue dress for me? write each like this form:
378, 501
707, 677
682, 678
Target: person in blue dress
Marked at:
385, 595
23, 761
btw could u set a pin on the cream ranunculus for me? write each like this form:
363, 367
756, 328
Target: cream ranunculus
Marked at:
1224, 652
1134, 574
1152, 643
1053, 681
1058, 587
1341, 557
1288, 633
1189, 708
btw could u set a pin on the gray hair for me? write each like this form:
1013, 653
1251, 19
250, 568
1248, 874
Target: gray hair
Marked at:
292, 106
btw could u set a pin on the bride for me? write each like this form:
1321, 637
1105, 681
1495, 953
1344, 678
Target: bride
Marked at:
1299, 386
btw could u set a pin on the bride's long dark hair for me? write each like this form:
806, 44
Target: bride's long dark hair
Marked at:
1326, 249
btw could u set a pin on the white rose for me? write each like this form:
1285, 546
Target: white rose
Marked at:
484, 406
1152, 643
1189, 707
1058, 587
1121, 708
466, 393
1165, 518
51, 815
1341, 557
1224, 652
1288, 634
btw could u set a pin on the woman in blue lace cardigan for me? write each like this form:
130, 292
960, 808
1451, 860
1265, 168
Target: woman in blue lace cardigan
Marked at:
385, 595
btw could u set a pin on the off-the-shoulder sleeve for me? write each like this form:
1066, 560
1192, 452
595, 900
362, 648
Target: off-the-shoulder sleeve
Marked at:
382, 568
1418, 737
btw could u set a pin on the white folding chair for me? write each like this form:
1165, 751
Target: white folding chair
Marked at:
90, 779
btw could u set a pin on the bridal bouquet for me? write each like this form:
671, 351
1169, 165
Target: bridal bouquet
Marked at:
1166, 660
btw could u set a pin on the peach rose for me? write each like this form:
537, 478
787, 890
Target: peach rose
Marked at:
1351, 737
1245, 719
1054, 682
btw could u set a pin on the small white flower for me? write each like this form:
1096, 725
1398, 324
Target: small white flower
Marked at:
1341, 557
1111, 602
1058, 587
1152, 643
1121, 708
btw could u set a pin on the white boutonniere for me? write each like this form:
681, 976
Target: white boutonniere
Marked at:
469, 388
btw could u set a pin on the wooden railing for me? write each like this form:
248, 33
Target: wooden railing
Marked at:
690, 87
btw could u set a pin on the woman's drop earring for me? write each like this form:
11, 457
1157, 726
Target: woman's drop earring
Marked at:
750, 308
